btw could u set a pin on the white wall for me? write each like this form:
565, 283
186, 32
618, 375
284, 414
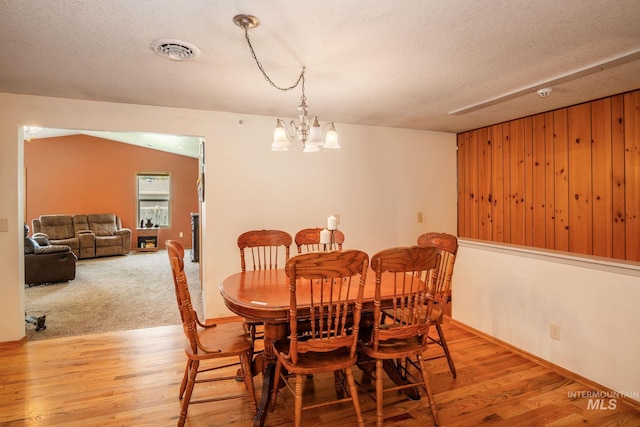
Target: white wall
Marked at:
377, 182
514, 293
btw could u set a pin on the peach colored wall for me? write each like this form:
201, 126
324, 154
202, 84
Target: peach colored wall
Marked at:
84, 174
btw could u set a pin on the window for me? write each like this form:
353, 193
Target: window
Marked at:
154, 198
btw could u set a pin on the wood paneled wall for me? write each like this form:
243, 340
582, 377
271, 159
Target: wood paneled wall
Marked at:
567, 179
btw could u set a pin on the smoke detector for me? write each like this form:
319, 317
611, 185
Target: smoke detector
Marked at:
544, 92
175, 50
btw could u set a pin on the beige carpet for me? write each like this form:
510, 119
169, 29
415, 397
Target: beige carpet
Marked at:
111, 294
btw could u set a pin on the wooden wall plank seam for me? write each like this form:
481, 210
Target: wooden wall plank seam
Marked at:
632, 174
580, 183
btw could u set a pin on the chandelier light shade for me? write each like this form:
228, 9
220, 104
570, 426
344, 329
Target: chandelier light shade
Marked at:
310, 134
315, 135
331, 139
280, 140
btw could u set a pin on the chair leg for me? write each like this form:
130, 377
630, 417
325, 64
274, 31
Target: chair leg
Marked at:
298, 400
379, 392
354, 396
427, 387
445, 347
185, 377
245, 362
193, 371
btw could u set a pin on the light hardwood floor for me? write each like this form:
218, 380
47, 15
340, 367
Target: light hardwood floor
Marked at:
131, 378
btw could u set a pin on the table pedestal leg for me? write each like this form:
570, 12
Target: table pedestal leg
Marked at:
272, 332
265, 399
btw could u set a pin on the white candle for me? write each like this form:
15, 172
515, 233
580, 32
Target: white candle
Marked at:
332, 223
325, 237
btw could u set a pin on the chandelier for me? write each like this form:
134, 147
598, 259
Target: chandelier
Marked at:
30, 131
309, 132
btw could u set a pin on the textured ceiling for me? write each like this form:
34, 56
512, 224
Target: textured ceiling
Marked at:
396, 63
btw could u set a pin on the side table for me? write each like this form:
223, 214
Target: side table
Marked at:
147, 239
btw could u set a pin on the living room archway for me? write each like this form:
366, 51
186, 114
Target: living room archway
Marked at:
101, 191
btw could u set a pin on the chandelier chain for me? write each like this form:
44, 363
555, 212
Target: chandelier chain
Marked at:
309, 132
264, 73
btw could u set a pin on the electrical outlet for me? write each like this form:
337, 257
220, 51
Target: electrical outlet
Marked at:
181, 234
554, 331
419, 217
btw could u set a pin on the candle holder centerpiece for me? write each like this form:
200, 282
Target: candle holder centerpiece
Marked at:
327, 235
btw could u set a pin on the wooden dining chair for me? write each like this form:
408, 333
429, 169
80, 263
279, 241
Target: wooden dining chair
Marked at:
308, 240
330, 286
413, 272
448, 244
206, 341
268, 249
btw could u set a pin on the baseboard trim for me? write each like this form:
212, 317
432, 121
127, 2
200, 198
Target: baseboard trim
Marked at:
13, 344
557, 369
225, 319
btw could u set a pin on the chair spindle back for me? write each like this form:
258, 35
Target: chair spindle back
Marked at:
267, 248
188, 315
308, 240
448, 245
333, 285
414, 272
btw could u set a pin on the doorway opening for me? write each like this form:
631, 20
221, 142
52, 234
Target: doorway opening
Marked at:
95, 173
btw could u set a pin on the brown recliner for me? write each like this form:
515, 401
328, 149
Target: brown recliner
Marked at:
60, 230
110, 237
46, 263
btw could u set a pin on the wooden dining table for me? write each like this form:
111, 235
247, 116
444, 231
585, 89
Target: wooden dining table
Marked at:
263, 295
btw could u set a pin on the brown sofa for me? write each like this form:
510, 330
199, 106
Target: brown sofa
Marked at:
89, 236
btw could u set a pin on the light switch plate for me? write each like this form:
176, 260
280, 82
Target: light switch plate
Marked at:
4, 225
554, 331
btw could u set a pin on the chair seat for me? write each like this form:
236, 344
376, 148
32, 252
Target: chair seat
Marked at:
394, 349
314, 362
435, 317
228, 339
436, 314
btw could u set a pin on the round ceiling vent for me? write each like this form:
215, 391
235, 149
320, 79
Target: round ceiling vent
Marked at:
544, 92
175, 50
